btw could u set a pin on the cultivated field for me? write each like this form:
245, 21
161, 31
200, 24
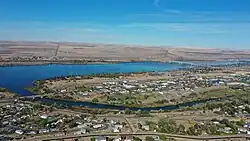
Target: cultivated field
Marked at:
108, 52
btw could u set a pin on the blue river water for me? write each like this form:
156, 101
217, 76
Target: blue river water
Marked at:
16, 78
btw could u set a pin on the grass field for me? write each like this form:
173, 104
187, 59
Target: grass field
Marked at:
146, 99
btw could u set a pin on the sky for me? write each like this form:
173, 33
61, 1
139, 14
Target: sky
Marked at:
182, 23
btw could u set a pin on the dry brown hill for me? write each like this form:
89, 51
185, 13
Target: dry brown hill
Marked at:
77, 51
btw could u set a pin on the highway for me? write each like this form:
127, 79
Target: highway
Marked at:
7, 100
140, 134
71, 136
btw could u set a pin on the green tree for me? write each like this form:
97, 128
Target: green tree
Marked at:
136, 139
247, 109
72, 124
213, 129
181, 129
3, 89
139, 125
95, 100
37, 106
167, 126
152, 125
163, 137
191, 131
127, 111
144, 114
224, 121
92, 139
149, 138
240, 123
43, 122
124, 123
146, 96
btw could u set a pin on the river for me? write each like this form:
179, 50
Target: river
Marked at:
16, 78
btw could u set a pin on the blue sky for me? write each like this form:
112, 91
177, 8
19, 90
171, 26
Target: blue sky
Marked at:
192, 23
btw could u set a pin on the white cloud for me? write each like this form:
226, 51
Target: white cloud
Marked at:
163, 9
30, 30
79, 29
168, 14
208, 28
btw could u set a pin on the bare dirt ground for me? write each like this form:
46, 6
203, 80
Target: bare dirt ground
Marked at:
62, 84
107, 52
6, 95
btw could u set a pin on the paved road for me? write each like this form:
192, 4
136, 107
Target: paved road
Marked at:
130, 127
131, 133
57, 49
9, 100
140, 134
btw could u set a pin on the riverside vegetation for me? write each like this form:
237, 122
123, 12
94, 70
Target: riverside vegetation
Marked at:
223, 117
145, 89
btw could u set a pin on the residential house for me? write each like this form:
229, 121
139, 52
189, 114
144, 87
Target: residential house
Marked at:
100, 138
145, 127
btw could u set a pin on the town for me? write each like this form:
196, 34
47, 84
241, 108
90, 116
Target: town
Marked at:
147, 89
24, 120
29, 119
124, 70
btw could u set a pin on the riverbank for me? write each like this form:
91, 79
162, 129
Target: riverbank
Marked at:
70, 121
186, 121
196, 101
61, 62
9, 63
145, 89
159, 91
6, 94
80, 62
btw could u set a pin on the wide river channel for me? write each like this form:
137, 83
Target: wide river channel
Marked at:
16, 78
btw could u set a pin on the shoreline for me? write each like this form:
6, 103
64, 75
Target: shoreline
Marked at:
38, 84
44, 63
91, 105
11, 63
129, 73
119, 74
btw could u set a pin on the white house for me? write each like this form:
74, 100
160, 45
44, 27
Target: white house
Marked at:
20, 132
63, 91
44, 116
115, 130
118, 126
100, 138
97, 126
145, 127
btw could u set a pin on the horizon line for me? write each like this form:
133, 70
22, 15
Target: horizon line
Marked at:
123, 44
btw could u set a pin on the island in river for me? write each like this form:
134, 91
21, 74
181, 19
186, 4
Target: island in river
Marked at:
148, 89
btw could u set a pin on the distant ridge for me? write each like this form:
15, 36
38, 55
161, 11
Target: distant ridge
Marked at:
110, 52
